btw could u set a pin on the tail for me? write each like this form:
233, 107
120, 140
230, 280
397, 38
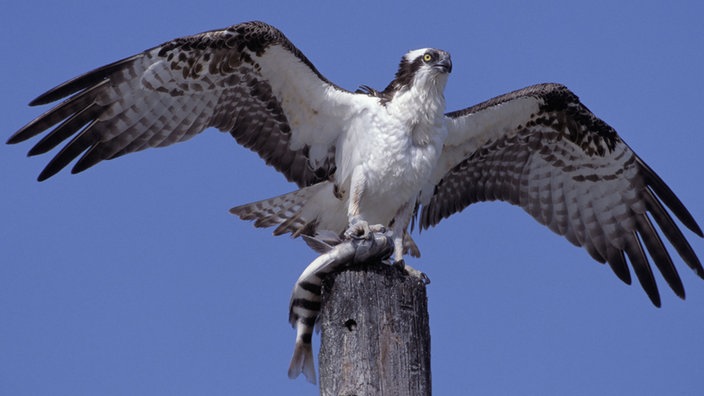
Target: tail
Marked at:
297, 212
302, 362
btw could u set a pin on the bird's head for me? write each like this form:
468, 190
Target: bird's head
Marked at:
426, 60
426, 66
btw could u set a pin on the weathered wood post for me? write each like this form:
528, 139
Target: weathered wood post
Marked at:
375, 337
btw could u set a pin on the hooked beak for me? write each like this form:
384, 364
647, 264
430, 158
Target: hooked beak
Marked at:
444, 64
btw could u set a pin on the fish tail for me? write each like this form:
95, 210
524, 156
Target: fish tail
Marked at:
302, 360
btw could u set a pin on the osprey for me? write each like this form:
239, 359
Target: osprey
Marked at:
375, 159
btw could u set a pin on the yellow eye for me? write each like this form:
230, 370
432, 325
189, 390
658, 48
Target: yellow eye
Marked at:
427, 58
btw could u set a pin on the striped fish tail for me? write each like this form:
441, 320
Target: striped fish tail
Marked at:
304, 309
302, 360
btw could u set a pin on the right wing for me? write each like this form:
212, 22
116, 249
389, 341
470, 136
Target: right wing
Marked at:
248, 79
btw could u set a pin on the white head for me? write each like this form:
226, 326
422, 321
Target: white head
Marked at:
422, 67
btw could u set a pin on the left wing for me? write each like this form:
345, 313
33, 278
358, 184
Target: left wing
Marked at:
542, 149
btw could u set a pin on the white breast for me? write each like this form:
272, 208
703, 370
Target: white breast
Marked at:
393, 163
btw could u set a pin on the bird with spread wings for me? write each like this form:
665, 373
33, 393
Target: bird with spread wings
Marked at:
374, 159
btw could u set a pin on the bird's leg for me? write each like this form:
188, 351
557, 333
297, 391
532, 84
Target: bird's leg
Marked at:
398, 228
398, 246
358, 227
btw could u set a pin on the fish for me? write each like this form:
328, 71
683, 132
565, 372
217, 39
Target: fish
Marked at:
304, 307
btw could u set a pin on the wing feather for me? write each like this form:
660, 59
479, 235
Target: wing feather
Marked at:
45, 121
248, 79
66, 129
542, 149
636, 254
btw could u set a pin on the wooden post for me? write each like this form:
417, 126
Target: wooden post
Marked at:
375, 338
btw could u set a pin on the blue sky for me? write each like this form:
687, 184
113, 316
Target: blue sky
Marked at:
132, 278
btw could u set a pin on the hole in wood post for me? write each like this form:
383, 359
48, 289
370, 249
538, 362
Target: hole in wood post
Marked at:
351, 324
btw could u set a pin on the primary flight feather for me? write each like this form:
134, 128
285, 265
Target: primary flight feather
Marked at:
375, 157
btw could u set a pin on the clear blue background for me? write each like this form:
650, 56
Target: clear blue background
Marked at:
132, 278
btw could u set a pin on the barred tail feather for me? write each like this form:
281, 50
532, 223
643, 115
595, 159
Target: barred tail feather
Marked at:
275, 211
298, 213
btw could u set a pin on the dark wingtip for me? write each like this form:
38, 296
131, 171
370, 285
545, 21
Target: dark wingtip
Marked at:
45, 174
40, 100
650, 288
699, 271
698, 231
81, 82
52, 169
667, 196
654, 296
20, 136
694, 227
12, 139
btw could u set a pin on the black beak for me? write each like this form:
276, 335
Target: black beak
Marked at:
444, 63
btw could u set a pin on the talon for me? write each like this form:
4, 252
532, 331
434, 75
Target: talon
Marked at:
414, 272
358, 229
377, 229
353, 235
355, 232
